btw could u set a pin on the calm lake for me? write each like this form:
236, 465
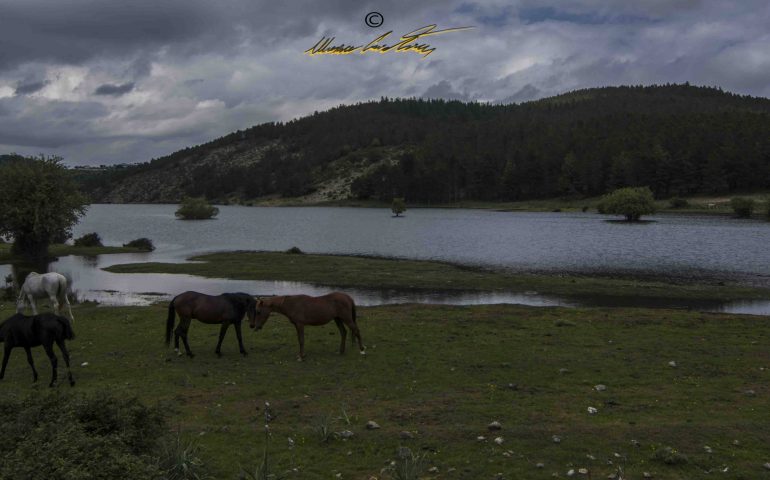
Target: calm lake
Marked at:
677, 246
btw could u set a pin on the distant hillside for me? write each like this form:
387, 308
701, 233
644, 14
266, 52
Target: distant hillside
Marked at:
678, 139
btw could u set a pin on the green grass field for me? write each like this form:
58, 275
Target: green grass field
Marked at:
443, 374
347, 271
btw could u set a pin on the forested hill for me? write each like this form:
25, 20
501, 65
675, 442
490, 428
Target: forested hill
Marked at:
678, 139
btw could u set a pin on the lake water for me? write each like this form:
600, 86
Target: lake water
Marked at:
681, 247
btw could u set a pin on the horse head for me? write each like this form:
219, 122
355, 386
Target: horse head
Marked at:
262, 311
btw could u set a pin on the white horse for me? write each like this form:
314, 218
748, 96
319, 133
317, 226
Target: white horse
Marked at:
49, 285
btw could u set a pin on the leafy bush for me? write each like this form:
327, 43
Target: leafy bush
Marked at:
631, 202
141, 244
94, 436
743, 207
89, 240
196, 208
295, 251
398, 206
678, 202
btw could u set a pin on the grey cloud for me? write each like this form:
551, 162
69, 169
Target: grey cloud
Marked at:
444, 89
114, 90
526, 93
31, 87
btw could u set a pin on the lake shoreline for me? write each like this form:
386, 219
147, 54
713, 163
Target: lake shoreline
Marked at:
366, 271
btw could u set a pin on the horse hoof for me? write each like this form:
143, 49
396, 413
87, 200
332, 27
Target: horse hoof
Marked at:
72, 383
219, 354
245, 354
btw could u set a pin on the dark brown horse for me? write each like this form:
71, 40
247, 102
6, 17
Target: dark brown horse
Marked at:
228, 308
305, 310
28, 332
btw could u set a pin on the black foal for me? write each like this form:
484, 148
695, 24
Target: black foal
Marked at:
33, 331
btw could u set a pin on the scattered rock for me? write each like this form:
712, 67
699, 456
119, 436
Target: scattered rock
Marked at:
570, 472
433, 470
750, 393
736, 443
405, 435
583, 471
592, 410
84, 364
635, 443
708, 449
540, 465
495, 426
590, 457
345, 434
646, 474
513, 386
672, 364
499, 440
556, 439
562, 371
612, 476
372, 425
767, 466
481, 438
291, 442
600, 387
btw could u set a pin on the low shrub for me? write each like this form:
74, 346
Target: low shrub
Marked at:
196, 208
678, 202
669, 456
143, 243
89, 240
95, 436
295, 251
743, 207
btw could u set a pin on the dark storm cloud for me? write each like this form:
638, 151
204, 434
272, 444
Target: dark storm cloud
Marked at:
207, 68
31, 87
113, 89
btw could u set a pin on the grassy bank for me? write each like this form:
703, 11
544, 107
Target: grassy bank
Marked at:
443, 374
698, 204
348, 271
62, 250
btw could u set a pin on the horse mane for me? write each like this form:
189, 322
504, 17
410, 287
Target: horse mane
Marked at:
242, 300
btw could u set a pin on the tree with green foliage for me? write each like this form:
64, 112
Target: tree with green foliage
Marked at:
39, 204
742, 206
631, 202
398, 206
196, 208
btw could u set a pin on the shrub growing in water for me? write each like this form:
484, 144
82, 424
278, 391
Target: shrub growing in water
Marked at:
398, 206
141, 244
89, 240
196, 208
631, 202
743, 207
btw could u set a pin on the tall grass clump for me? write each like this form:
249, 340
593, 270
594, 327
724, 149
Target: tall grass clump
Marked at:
408, 466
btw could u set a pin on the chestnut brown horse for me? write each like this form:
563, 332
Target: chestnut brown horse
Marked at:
228, 308
305, 310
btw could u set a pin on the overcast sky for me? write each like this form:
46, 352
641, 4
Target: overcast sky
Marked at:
100, 81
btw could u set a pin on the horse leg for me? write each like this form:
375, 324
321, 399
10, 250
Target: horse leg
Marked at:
240, 338
6, 356
32, 303
31, 363
222, 332
184, 326
69, 307
343, 334
356, 334
66, 355
54, 362
301, 339
55, 306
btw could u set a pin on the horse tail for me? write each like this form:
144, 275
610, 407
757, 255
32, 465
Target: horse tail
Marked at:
170, 321
61, 290
353, 309
69, 333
